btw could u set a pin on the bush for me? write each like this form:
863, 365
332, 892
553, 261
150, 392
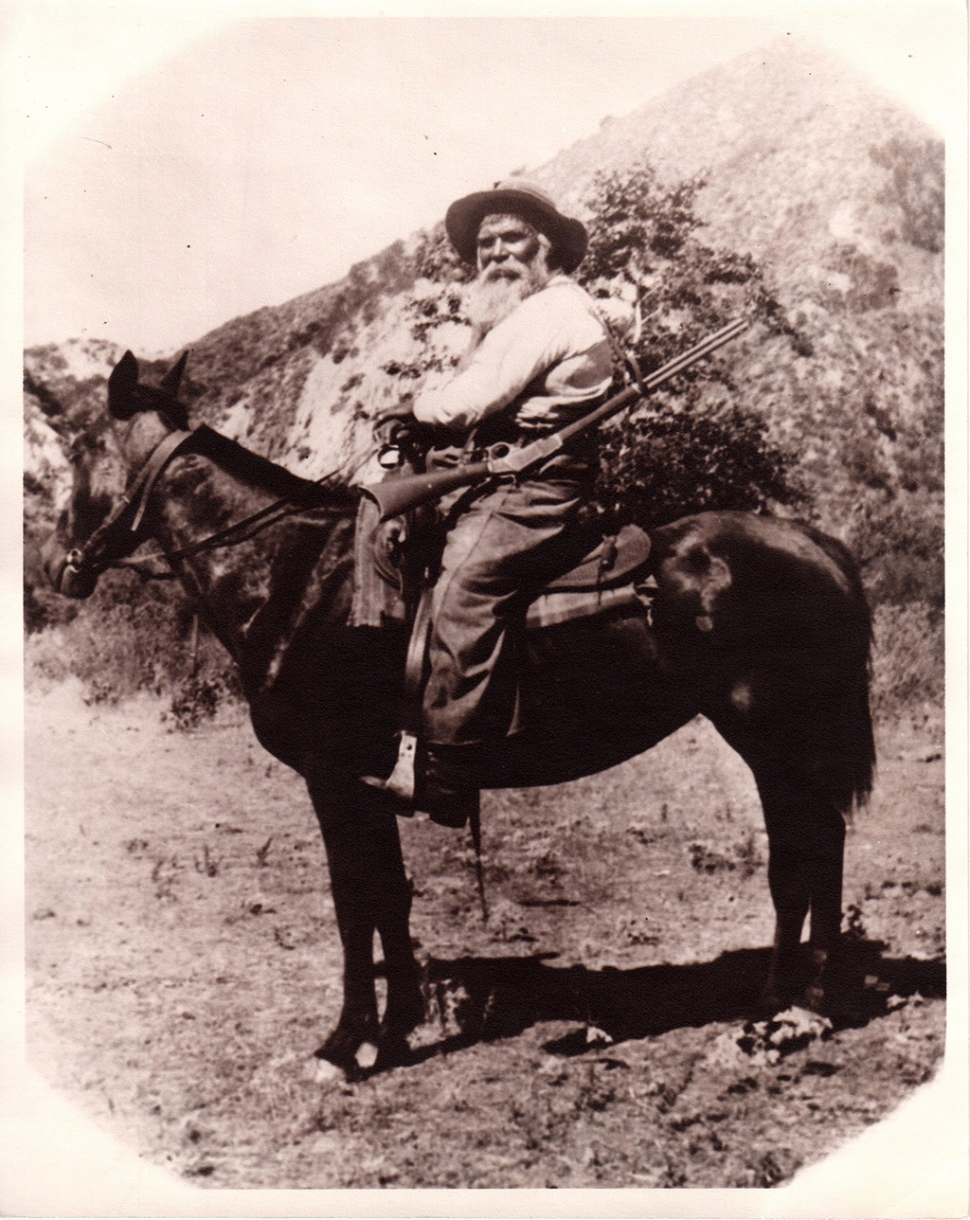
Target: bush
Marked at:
694, 445
908, 662
197, 698
130, 636
659, 467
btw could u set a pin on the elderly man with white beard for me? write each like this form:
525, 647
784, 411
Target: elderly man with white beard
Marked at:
539, 356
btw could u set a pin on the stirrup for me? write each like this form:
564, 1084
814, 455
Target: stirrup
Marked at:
401, 781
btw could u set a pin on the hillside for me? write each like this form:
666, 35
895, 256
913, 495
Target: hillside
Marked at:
831, 186
838, 193
794, 148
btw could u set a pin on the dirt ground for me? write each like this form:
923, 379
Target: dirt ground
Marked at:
600, 1030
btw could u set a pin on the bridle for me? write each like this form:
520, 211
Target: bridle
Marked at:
124, 520
118, 535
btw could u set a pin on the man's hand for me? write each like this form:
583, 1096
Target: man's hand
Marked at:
401, 412
396, 429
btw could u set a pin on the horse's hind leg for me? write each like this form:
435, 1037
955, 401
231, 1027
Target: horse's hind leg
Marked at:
826, 911
806, 838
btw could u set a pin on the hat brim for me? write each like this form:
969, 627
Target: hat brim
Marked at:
463, 220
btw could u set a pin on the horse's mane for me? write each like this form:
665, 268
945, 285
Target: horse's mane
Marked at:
305, 493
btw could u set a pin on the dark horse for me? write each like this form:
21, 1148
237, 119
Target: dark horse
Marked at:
759, 624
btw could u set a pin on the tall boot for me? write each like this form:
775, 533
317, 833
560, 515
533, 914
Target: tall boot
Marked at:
442, 790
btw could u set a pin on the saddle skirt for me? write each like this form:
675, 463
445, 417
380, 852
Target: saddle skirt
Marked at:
608, 577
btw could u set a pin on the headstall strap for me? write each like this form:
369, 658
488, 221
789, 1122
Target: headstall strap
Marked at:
148, 475
136, 497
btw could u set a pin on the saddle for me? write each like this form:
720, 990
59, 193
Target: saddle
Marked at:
390, 558
394, 566
389, 562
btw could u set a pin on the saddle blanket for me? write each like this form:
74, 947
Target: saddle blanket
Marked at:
551, 608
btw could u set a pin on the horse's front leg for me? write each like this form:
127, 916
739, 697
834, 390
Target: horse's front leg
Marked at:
405, 1008
370, 894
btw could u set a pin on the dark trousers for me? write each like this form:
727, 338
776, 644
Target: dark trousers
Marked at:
499, 553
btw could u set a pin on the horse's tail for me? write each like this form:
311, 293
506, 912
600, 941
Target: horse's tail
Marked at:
854, 772
860, 740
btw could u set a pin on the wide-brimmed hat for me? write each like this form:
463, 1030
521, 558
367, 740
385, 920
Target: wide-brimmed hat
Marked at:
520, 198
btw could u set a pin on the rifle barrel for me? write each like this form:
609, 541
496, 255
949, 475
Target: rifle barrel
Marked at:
656, 379
697, 352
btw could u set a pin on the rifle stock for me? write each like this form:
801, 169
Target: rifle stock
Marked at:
396, 496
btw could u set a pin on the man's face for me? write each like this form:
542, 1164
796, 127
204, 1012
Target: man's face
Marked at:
512, 264
509, 248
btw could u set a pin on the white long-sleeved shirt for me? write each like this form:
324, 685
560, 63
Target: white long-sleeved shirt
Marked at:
548, 358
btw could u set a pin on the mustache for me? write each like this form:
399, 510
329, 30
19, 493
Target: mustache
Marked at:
505, 271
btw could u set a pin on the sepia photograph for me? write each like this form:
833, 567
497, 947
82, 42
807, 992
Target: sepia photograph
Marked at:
484, 626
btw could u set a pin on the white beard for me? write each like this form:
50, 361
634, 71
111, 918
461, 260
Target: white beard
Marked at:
491, 300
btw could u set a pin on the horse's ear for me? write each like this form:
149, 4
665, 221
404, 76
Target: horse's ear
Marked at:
172, 379
122, 384
178, 413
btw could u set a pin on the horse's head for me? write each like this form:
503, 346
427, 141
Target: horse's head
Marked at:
96, 527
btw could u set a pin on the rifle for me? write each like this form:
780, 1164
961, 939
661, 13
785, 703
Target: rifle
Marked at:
397, 496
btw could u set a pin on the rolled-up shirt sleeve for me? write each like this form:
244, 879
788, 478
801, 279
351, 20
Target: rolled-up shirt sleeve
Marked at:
511, 355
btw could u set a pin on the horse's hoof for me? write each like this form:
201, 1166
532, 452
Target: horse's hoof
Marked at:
322, 1071
815, 999
344, 1047
399, 1021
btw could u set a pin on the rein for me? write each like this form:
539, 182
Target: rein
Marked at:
296, 495
232, 535
134, 501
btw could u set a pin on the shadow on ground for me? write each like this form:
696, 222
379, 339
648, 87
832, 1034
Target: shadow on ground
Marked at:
490, 998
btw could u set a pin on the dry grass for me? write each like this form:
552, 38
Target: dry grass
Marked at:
183, 966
